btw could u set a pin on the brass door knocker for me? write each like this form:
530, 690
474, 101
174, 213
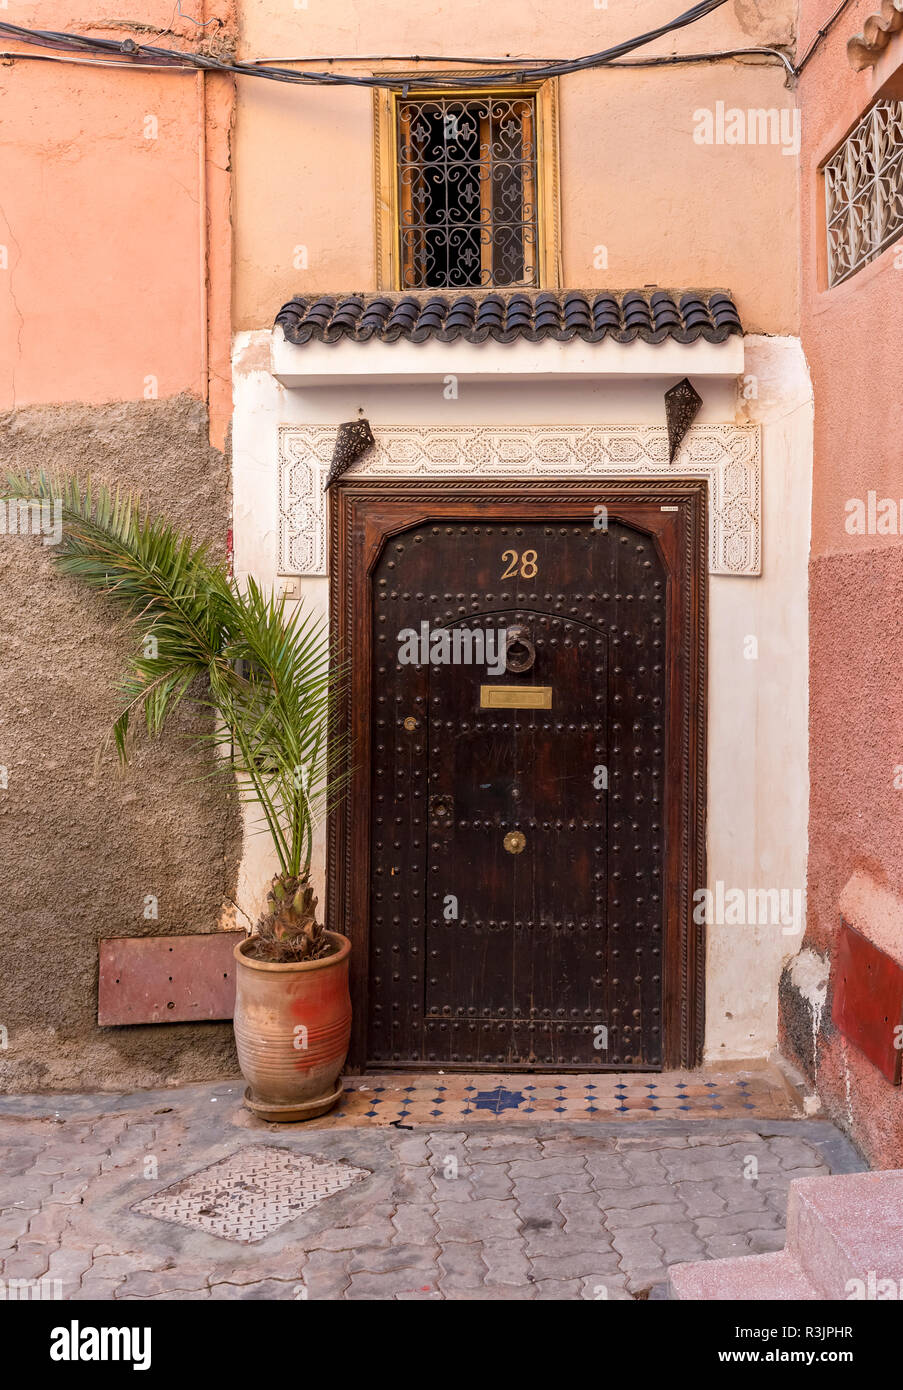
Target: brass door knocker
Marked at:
520, 649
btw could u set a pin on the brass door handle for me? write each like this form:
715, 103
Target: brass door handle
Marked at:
515, 841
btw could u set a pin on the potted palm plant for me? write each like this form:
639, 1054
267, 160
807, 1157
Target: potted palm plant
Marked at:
266, 677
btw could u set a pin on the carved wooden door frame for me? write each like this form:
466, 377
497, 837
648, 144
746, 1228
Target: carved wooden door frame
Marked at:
364, 512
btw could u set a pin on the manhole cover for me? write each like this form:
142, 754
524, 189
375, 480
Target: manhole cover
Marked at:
250, 1194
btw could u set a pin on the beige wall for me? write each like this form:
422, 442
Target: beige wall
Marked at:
667, 210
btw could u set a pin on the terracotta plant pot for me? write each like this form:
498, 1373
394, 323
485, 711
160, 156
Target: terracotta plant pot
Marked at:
292, 1027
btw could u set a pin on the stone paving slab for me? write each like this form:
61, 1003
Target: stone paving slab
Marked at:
530, 1209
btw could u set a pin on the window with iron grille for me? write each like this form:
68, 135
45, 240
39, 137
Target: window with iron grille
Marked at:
467, 186
467, 191
864, 191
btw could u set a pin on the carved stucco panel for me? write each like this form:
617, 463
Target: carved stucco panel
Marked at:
729, 456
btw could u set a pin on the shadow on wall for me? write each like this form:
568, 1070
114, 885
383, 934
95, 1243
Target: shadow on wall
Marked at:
90, 850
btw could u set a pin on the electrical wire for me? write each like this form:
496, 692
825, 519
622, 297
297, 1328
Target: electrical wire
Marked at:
95, 62
820, 36
666, 61
200, 23
129, 54
497, 62
534, 70
397, 58
672, 58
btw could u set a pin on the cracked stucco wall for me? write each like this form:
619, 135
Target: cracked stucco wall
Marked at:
82, 842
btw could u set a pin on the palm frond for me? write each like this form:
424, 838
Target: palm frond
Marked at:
268, 675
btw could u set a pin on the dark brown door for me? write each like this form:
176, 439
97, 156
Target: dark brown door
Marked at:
523, 895
517, 863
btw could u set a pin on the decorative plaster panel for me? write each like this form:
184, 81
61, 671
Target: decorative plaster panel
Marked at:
727, 455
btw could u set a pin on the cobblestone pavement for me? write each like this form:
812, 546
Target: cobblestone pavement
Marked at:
532, 1210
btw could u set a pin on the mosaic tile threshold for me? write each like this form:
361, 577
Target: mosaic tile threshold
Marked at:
437, 1098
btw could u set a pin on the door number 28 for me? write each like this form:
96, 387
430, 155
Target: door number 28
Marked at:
524, 565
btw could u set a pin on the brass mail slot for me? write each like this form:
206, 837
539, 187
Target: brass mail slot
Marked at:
515, 697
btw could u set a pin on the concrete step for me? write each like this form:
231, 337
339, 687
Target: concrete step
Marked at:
763, 1278
846, 1228
839, 1229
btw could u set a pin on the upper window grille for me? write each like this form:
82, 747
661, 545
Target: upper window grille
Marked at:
467, 180
864, 191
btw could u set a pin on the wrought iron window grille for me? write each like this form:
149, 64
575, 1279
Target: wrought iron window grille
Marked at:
864, 191
467, 191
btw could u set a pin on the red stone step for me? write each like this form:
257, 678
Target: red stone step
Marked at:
839, 1230
847, 1227
764, 1278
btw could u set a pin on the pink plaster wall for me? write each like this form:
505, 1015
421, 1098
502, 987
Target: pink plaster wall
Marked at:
853, 339
854, 331
118, 245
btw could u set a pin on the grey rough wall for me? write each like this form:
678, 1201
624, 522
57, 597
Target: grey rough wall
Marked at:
796, 1024
81, 841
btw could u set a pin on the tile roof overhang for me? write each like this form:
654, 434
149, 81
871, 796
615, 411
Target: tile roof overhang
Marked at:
651, 316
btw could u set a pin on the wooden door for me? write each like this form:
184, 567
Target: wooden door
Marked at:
513, 860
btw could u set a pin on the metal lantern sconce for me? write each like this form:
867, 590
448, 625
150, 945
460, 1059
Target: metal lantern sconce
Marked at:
682, 404
355, 438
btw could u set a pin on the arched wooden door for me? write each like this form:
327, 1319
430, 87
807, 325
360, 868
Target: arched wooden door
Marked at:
526, 690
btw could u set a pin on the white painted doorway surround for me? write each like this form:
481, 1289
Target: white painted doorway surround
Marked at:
578, 410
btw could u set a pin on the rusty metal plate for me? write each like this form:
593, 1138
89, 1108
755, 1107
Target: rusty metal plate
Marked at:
250, 1194
166, 979
868, 1000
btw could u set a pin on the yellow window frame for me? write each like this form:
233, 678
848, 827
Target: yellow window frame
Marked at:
548, 218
